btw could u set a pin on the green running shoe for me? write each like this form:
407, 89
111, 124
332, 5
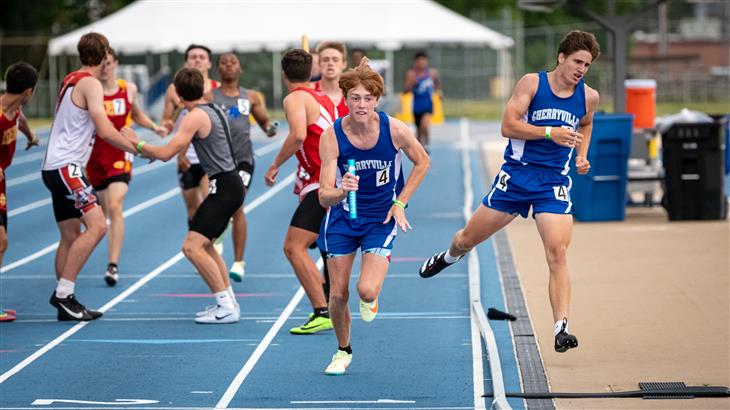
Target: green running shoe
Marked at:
314, 324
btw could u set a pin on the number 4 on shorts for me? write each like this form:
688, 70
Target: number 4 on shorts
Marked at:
561, 193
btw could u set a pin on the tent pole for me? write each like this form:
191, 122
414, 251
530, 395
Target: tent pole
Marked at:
504, 75
390, 78
52, 80
276, 75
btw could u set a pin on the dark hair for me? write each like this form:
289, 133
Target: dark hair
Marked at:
357, 50
297, 65
363, 74
189, 84
194, 46
92, 49
227, 53
112, 53
420, 54
20, 77
578, 40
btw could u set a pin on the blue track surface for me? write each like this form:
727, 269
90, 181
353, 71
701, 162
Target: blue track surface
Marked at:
146, 352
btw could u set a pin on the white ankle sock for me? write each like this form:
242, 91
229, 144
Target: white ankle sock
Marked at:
64, 288
224, 299
451, 259
558, 326
232, 294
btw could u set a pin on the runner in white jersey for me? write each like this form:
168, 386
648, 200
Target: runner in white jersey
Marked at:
80, 109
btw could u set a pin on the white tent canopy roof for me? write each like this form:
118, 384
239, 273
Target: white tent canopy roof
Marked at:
159, 26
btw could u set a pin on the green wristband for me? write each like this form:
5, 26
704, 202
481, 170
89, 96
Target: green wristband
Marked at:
400, 204
140, 144
548, 131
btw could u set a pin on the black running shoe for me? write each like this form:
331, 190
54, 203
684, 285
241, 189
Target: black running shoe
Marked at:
111, 277
563, 340
434, 265
70, 309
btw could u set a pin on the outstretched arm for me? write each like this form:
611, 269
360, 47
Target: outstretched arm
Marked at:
296, 114
258, 110
194, 121
139, 116
93, 93
24, 127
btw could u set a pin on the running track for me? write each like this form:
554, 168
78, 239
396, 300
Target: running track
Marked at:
423, 350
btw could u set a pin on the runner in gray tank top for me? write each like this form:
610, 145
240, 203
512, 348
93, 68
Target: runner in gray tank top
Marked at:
238, 104
207, 128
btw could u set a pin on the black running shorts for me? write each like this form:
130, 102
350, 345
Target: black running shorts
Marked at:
70, 191
225, 196
309, 213
191, 178
245, 171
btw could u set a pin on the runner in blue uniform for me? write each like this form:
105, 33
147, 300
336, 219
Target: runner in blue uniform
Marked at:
548, 117
422, 81
375, 141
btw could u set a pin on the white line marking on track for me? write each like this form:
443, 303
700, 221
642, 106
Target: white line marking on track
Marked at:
55, 342
116, 402
47, 201
129, 212
379, 401
261, 348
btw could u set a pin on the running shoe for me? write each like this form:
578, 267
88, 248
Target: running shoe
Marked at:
368, 311
340, 361
564, 340
237, 271
314, 325
219, 315
111, 276
70, 309
6, 316
434, 265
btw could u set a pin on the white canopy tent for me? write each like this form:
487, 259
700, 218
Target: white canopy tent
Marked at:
162, 26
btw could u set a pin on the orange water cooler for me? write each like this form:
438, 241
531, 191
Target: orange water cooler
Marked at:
641, 101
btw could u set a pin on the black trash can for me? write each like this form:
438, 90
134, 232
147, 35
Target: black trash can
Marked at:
693, 156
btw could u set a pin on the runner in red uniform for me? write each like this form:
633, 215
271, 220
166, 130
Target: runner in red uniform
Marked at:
21, 79
109, 169
309, 113
332, 62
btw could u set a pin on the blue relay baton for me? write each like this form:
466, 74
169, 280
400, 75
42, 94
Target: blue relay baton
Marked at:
351, 199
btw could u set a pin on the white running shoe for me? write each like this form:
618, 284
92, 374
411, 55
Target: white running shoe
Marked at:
207, 310
237, 271
340, 361
219, 315
368, 311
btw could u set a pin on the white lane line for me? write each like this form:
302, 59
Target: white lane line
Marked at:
132, 211
225, 400
129, 212
55, 342
37, 174
28, 158
29, 207
479, 323
378, 401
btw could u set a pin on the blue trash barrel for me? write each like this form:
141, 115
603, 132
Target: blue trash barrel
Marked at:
600, 195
